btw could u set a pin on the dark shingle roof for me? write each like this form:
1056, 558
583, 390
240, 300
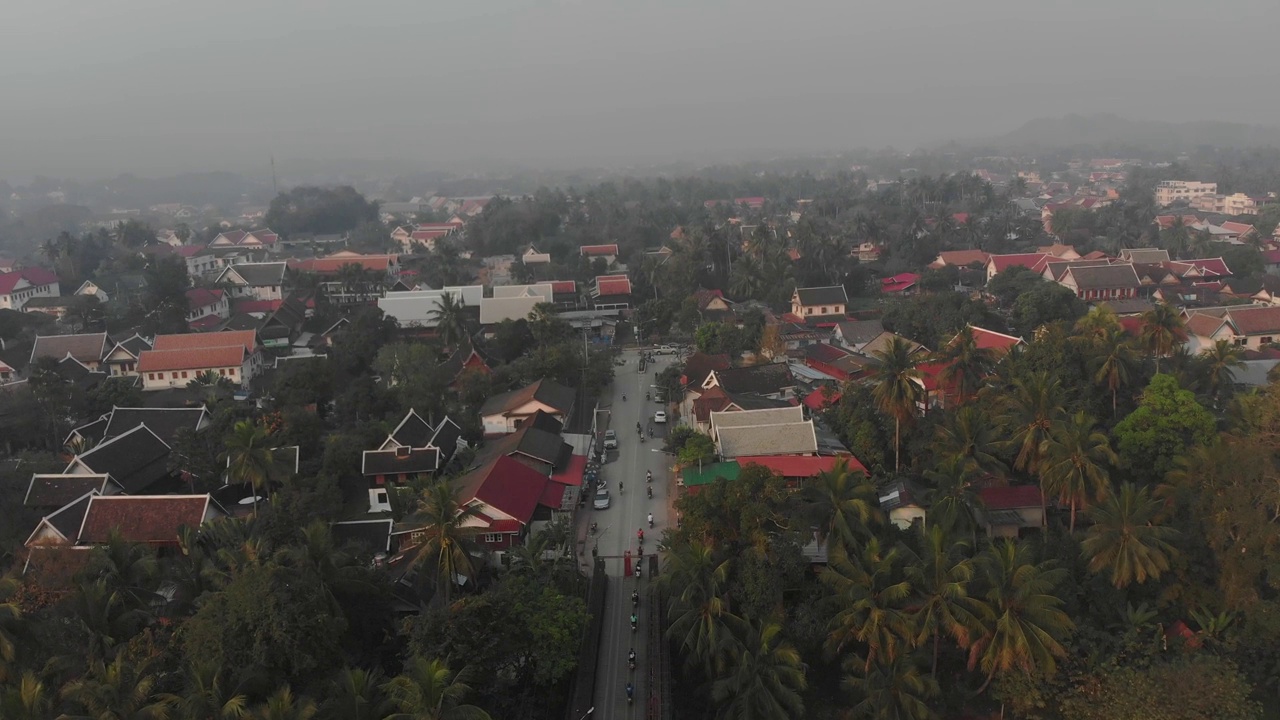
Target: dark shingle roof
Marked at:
94, 431
135, 460
87, 348
445, 439
368, 535
860, 332
547, 392
57, 490
760, 379
142, 519
1105, 277
164, 422
400, 460
545, 422
259, 274
412, 431
830, 295
69, 519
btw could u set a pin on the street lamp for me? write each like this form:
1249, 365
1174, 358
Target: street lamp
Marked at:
588, 713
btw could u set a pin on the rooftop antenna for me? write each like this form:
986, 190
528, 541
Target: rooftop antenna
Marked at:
275, 187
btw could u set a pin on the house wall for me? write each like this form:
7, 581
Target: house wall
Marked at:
18, 298
509, 422
259, 292
903, 517
179, 378
201, 265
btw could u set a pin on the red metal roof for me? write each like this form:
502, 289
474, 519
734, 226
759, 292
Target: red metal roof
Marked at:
8, 281
1010, 498
506, 485
200, 297
334, 263
614, 287
1033, 261
256, 306
39, 276
801, 466
598, 249
821, 398
192, 358
563, 286
899, 282
201, 341
992, 340
572, 473
204, 324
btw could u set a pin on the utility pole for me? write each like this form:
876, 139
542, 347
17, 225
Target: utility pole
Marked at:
275, 186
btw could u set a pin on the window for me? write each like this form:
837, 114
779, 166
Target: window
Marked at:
231, 372
151, 376
824, 309
173, 375
492, 538
184, 374
1266, 340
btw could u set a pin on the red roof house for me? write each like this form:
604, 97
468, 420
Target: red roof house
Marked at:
499, 499
900, 284
1032, 261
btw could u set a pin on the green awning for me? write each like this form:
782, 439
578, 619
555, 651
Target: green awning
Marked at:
694, 477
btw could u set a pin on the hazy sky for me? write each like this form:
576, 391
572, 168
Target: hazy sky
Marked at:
95, 88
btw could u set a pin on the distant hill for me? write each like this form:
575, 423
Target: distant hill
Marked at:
1108, 130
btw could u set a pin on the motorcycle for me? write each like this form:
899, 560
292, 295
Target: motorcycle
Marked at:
634, 620
641, 438
635, 599
650, 491
646, 397
629, 691
593, 528
624, 397
637, 571
650, 521
640, 535
631, 660
648, 476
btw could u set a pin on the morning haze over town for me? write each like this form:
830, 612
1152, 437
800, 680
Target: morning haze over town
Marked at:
595, 360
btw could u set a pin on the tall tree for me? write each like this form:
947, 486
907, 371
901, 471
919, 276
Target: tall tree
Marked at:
428, 690
965, 365
451, 319
1024, 626
870, 597
1114, 362
123, 690
842, 501
1126, 538
763, 678
1219, 363
897, 389
894, 689
940, 578
701, 622
969, 436
1076, 457
445, 541
284, 705
1162, 331
249, 459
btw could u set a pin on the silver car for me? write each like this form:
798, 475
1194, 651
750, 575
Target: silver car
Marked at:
601, 501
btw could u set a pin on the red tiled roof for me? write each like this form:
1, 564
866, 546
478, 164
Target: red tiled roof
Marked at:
333, 264
201, 297
191, 359
1010, 498
613, 287
961, 218
8, 281
698, 365
801, 466
598, 249
990, 339
1237, 227
572, 472
552, 495
39, 276
202, 341
960, 258
204, 324
1271, 257
188, 251
256, 306
821, 398
425, 235
1252, 320
444, 226
1132, 325
1209, 266
563, 286
899, 282
506, 485
1033, 261
142, 518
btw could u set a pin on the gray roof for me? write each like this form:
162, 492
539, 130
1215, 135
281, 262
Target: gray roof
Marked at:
830, 295
547, 392
1145, 255
55, 490
370, 535
880, 343
135, 460
751, 418
1106, 277
257, 274
401, 460
86, 347
412, 431
780, 439
860, 332
69, 519
164, 422
760, 379
1128, 306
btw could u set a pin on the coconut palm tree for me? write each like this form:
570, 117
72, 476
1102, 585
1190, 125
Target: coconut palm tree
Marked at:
966, 366
450, 318
1126, 538
871, 600
940, 578
748, 278
842, 502
1097, 324
10, 616
1024, 625
954, 500
427, 690
27, 699
1114, 362
120, 691
897, 390
1162, 331
355, 694
1076, 457
700, 619
1031, 412
284, 705
1218, 364
445, 542
893, 690
763, 678
206, 698
969, 436
249, 458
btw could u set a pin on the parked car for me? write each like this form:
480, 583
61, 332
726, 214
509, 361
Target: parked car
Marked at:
660, 416
610, 440
601, 501
665, 350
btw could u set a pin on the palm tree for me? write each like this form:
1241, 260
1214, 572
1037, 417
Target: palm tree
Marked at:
28, 699
1162, 330
954, 500
1097, 324
1024, 624
249, 460
893, 690
1126, 538
1031, 413
897, 390
1114, 362
450, 318
205, 698
10, 615
336, 568
966, 366
871, 602
748, 278
427, 690
283, 705
969, 436
843, 503
941, 580
701, 622
1219, 363
444, 540
119, 691
763, 680
356, 694
1076, 457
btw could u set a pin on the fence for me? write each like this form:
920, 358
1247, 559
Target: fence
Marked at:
582, 693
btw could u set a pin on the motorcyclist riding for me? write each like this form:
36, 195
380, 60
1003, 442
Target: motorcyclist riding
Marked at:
648, 476
629, 691
650, 490
640, 532
650, 519
635, 598
634, 619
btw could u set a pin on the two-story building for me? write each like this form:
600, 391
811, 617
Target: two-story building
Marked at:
819, 302
18, 287
207, 307
260, 280
506, 413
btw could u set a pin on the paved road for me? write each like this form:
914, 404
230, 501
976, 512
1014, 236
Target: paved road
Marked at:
617, 532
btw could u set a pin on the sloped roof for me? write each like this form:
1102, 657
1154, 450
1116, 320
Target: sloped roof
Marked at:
445, 439
505, 484
85, 347
591, 250
801, 465
858, 332
547, 392
143, 518
134, 345
93, 431
412, 431
698, 365
248, 339
880, 343
163, 422
780, 439
762, 379
1033, 261
960, 258
1145, 255
371, 535
400, 460
824, 396
607, 286
992, 340
1255, 320
68, 519
256, 274
334, 263
191, 359
693, 476
135, 459
1012, 497
829, 295
55, 490
899, 282
751, 418
203, 297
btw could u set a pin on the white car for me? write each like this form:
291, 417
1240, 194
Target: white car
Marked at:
665, 350
601, 501
610, 440
660, 416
